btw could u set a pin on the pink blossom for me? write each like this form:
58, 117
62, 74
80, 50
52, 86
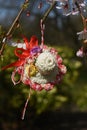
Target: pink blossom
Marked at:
79, 53
82, 34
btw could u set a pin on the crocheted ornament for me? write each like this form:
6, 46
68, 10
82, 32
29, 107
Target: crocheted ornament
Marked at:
39, 66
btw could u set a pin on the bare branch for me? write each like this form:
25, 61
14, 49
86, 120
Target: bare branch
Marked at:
48, 11
13, 25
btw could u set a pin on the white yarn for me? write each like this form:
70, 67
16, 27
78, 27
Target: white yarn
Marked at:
46, 62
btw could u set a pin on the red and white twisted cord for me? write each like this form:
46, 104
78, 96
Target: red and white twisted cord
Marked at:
42, 32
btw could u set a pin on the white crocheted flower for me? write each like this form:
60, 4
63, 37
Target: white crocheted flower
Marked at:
46, 62
40, 79
43, 79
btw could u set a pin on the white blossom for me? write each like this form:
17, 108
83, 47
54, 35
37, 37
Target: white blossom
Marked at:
82, 35
79, 53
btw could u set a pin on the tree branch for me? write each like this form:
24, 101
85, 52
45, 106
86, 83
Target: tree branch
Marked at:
48, 11
83, 18
17, 18
12, 26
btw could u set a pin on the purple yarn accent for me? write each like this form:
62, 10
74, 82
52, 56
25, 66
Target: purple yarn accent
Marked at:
36, 50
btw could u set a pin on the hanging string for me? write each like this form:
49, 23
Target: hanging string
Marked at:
42, 21
42, 32
24, 110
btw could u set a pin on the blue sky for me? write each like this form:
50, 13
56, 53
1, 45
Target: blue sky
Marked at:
9, 9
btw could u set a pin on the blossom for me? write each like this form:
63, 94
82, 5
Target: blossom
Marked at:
71, 7
82, 52
79, 53
82, 34
15, 44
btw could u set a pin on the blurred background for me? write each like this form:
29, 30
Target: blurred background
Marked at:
64, 107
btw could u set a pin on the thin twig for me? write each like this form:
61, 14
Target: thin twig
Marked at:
17, 18
11, 28
48, 11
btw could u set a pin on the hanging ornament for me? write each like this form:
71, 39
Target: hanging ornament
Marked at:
39, 66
